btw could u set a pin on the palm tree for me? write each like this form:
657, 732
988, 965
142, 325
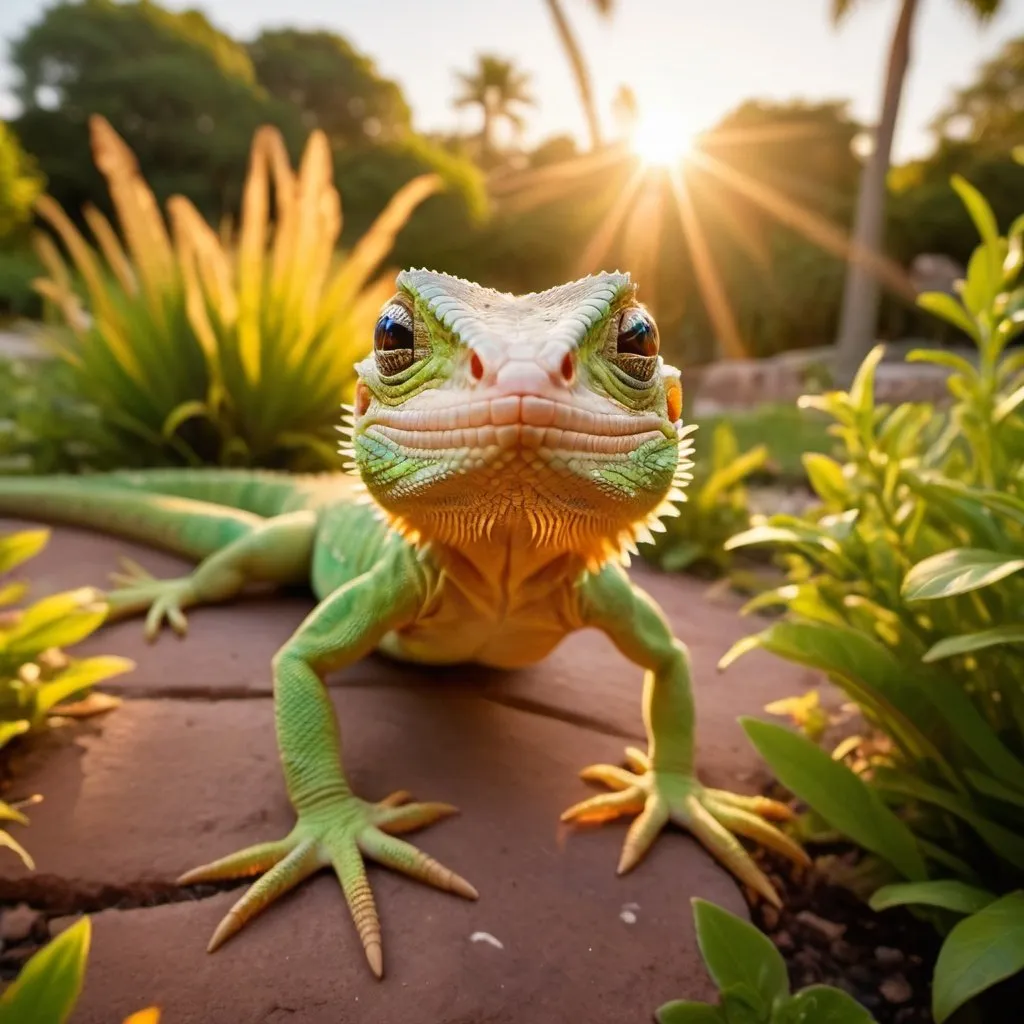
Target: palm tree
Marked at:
577, 63
497, 88
861, 292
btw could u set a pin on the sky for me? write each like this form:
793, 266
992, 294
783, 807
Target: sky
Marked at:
689, 61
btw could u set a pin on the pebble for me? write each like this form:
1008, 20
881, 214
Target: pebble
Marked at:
896, 989
17, 923
771, 918
829, 929
844, 952
888, 957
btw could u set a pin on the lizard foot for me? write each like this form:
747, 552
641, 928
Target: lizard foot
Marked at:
339, 836
712, 815
137, 590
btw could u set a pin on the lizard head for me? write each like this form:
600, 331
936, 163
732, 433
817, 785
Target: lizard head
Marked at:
550, 415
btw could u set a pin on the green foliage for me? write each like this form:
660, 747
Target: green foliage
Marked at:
785, 430
20, 184
905, 589
335, 88
715, 507
232, 348
48, 987
37, 679
368, 176
752, 981
44, 428
18, 299
182, 94
49, 984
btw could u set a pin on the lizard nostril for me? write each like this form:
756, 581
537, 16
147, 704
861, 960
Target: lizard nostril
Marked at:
568, 368
476, 367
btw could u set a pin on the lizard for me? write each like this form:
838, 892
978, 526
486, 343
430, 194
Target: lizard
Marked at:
506, 454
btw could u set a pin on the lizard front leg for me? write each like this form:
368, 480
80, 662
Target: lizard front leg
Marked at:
334, 827
663, 786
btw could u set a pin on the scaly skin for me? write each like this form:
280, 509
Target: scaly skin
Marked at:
511, 450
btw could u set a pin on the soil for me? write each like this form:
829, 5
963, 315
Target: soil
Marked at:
829, 936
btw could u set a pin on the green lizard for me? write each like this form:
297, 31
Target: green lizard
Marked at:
511, 451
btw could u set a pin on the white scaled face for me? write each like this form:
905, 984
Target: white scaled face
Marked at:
534, 411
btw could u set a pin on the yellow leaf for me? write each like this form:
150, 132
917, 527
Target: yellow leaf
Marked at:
148, 1016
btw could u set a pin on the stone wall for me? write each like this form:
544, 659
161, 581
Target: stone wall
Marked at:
726, 385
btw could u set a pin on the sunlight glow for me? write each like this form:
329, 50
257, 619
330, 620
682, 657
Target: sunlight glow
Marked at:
664, 138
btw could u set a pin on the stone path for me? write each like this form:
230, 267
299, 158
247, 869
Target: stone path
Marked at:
187, 771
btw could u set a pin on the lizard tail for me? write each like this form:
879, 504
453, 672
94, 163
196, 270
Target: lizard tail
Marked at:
260, 492
181, 525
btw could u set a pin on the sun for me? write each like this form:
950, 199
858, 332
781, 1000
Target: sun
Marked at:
664, 138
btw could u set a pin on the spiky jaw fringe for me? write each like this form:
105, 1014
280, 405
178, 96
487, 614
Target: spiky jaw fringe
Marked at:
597, 543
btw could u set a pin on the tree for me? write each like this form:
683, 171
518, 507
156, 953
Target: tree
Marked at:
20, 184
181, 93
578, 65
859, 313
989, 113
498, 89
336, 88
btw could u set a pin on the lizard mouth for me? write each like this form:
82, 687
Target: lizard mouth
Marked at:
507, 423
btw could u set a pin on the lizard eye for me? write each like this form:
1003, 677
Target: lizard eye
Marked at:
393, 342
636, 345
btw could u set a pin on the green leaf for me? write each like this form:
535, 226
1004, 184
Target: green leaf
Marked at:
9, 813
742, 1005
947, 308
6, 840
996, 788
979, 209
948, 894
1008, 404
1008, 844
58, 621
19, 547
737, 954
837, 794
8, 730
822, 1004
79, 676
826, 477
867, 670
863, 387
12, 592
957, 572
767, 534
732, 475
182, 413
967, 642
948, 359
979, 952
49, 984
681, 1012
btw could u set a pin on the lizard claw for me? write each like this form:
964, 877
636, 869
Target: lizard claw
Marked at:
340, 836
658, 796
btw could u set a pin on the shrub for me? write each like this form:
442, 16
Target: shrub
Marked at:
18, 298
715, 507
220, 347
752, 979
904, 588
44, 427
37, 679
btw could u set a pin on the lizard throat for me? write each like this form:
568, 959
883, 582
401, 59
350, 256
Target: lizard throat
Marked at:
532, 473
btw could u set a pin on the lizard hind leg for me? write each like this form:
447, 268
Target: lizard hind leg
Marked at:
277, 550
